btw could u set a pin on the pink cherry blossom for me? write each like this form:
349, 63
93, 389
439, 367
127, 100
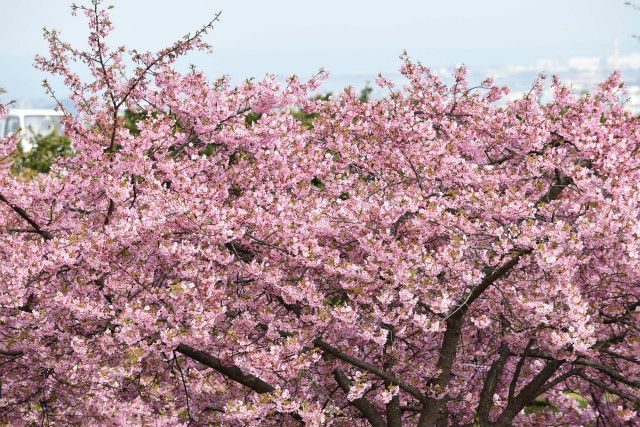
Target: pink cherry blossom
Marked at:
437, 256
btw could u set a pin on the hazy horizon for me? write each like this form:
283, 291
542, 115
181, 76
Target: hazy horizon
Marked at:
354, 40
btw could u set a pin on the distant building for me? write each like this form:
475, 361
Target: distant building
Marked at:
30, 123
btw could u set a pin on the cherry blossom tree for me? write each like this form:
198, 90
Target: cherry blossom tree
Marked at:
438, 256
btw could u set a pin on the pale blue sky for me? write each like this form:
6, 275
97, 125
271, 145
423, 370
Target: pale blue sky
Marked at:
346, 37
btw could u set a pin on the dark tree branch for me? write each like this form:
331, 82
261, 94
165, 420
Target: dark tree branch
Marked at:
607, 370
393, 411
46, 235
490, 384
110, 209
488, 280
174, 50
516, 373
361, 404
368, 367
551, 384
562, 181
611, 372
448, 351
11, 353
294, 308
528, 392
451, 338
401, 220
455, 319
629, 309
232, 372
620, 393
184, 386
615, 355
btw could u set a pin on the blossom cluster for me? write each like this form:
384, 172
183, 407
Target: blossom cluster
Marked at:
435, 256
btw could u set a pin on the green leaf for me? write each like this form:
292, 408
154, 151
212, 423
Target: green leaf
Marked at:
46, 149
251, 118
316, 182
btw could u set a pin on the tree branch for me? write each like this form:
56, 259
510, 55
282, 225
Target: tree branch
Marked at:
528, 392
557, 380
488, 280
516, 373
451, 338
232, 372
607, 370
562, 181
583, 361
393, 411
455, 319
620, 393
368, 367
361, 404
490, 384
46, 235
